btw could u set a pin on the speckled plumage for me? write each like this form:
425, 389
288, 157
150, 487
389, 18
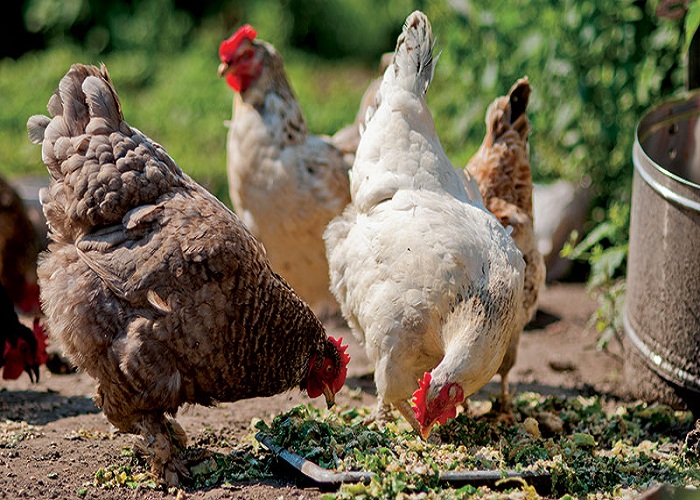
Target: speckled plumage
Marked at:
153, 286
285, 183
426, 277
501, 167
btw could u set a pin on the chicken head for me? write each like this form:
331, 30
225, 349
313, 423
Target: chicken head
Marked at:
26, 352
241, 62
435, 403
327, 374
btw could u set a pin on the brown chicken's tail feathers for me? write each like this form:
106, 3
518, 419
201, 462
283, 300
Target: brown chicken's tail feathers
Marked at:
413, 59
519, 97
86, 102
100, 167
509, 112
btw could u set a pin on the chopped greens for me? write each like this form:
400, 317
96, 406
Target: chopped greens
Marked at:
587, 445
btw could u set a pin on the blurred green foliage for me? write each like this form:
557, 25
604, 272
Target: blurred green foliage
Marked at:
595, 67
605, 248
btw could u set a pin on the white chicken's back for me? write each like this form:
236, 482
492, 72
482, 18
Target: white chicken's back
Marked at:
407, 262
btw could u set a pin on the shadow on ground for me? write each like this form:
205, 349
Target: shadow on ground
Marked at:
40, 408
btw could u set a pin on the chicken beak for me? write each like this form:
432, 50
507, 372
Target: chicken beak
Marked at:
330, 396
223, 69
425, 431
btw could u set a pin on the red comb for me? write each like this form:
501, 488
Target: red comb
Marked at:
229, 46
344, 357
419, 396
344, 360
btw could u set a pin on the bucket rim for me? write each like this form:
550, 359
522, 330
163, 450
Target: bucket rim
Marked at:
685, 97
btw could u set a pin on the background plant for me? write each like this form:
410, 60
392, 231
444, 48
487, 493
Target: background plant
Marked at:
595, 66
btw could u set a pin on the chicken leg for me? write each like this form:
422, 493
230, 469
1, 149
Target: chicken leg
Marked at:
162, 438
383, 413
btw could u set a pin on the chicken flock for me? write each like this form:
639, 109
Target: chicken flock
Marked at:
166, 297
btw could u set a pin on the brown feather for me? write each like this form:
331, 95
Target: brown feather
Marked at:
501, 167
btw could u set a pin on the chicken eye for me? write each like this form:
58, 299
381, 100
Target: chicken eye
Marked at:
328, 369
246, 55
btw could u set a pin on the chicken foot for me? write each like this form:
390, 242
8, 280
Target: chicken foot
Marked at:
162, 439
380, 415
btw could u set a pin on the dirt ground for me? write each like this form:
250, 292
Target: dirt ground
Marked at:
67, 439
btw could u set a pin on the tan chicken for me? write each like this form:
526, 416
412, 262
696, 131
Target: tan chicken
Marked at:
154, 287
428, 280
285, 183
501, 167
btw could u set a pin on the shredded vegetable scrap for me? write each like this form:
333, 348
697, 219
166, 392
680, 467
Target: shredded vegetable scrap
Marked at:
587, 445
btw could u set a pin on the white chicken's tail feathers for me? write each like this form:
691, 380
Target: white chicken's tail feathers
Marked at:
413, 59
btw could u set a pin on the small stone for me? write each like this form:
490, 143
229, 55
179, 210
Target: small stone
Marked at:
531, 426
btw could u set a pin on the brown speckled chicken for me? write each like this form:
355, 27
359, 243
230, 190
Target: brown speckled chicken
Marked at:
154, 287
284, 183
501, 167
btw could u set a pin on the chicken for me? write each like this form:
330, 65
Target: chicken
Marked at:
501, 167
21, 348
284, 183
19, 248
428, 280
153, 286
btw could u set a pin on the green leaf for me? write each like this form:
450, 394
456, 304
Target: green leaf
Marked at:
692, 21
599, 233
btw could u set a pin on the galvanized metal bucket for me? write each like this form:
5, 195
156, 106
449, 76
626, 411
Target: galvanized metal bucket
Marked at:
662, 308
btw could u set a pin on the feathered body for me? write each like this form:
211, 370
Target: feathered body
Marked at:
19, 248
285, 183
154, 287
426, 277
501, 167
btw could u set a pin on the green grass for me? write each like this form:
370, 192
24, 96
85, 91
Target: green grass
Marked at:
177, 100
595, 67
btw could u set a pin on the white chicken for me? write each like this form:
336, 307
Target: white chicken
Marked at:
284, 183
428, 280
